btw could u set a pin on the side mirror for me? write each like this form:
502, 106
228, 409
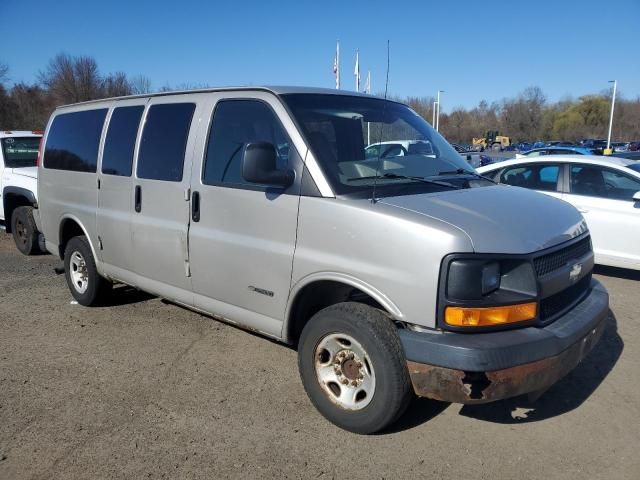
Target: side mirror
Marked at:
259, 166
636, 197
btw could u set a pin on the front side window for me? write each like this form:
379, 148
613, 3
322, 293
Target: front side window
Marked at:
235, 124
534, 176
73, 141
361, 141
117, 157
20, 152
595, 181
164, 141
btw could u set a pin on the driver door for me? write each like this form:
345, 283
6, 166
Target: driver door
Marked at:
243, 235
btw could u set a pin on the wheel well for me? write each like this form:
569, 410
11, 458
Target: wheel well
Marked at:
68, 229
318, 295
11, 202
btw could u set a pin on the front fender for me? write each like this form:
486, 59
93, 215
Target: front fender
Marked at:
386, 303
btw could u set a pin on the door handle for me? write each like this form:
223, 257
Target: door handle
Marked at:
195, 206
582, 209
138, 199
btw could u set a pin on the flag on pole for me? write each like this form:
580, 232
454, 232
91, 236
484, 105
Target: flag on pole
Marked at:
356, 71
367, 83
336, 65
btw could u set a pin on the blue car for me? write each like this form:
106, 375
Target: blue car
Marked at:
537, 152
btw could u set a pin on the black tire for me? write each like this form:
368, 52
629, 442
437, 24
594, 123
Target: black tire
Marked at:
24, 230
374, 331
97, 287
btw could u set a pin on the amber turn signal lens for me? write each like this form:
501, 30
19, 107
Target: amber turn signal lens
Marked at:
484, 317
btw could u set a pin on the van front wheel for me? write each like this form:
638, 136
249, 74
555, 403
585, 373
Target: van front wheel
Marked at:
83, 279
353, 367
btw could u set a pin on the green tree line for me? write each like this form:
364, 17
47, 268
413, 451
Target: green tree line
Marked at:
527, 116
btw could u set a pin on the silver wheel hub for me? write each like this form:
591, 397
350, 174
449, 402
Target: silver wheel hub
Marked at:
78, 272
344, 371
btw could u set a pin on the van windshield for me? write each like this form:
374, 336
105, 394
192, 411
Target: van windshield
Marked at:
20, 152
362, 140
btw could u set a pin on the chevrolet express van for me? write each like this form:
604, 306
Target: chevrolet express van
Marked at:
397, 274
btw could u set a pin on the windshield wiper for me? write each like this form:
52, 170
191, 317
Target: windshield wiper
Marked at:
462, 171
405, 177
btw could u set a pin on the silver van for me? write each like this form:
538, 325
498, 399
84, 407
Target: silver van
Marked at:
396, 273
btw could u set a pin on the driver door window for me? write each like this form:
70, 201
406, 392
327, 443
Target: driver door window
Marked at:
235, 124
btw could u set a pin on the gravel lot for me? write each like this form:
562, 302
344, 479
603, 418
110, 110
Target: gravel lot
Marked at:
145, 389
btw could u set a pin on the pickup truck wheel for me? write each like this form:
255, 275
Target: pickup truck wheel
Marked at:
353, 367
83, 279
25, 232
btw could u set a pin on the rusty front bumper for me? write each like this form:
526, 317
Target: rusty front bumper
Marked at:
468, 376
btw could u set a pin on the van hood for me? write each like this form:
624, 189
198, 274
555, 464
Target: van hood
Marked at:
31, 172
500, 219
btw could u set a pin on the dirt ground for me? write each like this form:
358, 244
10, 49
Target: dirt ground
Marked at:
145, 389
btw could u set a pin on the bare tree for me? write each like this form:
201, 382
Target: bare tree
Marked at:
32, 106
140, 85
4, 73
116, 85
72, 79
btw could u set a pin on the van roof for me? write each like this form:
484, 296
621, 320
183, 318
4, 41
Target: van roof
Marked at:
276, 90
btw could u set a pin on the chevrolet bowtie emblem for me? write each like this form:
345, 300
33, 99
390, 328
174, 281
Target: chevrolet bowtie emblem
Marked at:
575, 272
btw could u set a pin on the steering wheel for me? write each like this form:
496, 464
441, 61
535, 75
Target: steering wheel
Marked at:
385, 153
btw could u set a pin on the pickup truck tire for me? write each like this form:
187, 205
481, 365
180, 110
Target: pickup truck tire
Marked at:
25, 233
84, 281
353, 367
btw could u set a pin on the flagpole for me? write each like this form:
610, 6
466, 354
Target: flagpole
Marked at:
336, 65
367, 90
356, 70
338, 60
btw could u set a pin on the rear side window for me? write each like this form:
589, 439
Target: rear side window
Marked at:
236, 123
73, 141
164, 141
599, 182
117, 156
537, 176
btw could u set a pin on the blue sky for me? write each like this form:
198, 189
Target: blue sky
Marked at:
569, 47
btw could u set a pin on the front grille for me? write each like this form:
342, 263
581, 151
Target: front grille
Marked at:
551, 306
558, 259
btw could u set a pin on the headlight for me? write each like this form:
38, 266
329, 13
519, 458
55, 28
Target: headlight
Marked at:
472, 279
486, 291
490, 277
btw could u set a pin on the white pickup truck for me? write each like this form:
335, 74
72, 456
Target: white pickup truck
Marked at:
19, 187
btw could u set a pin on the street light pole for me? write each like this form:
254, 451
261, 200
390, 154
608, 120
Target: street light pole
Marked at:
433, 122
613, 104
438, 112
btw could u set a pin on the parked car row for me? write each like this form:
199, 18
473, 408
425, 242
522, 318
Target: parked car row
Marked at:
265, 208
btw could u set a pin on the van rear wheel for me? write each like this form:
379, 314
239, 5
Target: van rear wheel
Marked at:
353, 367
83, 279
24, 230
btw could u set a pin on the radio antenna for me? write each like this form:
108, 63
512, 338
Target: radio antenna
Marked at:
384, 107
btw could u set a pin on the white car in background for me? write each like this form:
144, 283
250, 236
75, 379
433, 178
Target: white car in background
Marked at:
606, 190
399, 148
